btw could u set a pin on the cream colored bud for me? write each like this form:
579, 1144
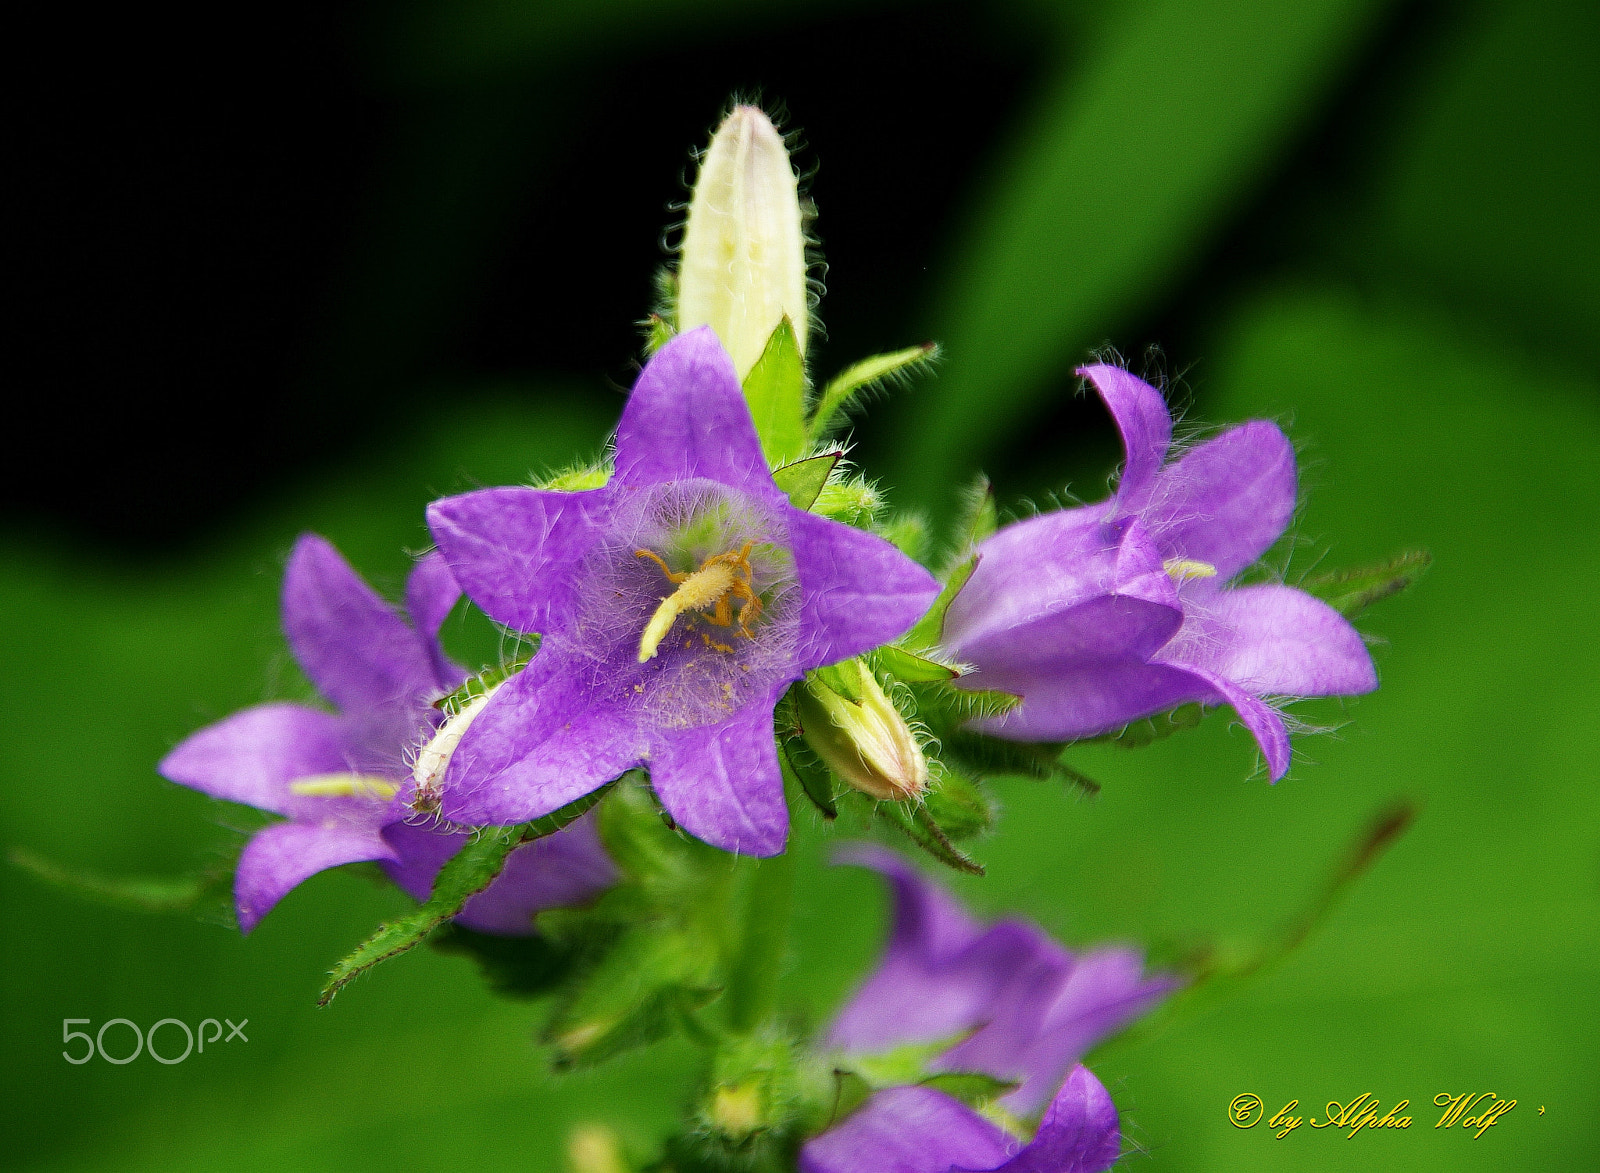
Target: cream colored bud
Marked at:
434, 758
594, 1148
862, 737
743, 266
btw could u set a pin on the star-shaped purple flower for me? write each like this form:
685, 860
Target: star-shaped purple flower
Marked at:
1104, 614
675, 605
1028, 1010
342, 780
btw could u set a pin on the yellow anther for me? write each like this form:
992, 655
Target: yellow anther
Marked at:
721, 579
1184, 569
345, 786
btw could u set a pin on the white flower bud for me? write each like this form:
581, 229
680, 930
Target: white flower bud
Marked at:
434, 758
743, 265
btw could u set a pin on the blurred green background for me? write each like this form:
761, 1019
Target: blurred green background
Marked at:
1378, 223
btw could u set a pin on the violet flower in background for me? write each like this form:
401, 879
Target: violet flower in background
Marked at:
1069, 610
918, 1129
1028, 1010
676, 604
342, 780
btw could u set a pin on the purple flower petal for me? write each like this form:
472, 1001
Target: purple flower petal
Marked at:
687, 417
1263, 721
1141, 416
721, 782
1100, 993
858, 591
252, 756
1087, 698
1275, 640
539, 743
281, 856
517, 551
909, 1130
1226, 501
431, 591
1080, 1132
355, 647
420, 851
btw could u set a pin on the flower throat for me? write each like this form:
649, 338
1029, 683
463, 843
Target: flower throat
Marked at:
720, 580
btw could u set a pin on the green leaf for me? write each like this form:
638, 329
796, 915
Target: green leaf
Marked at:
869, 372
803, 480
978, 516
906, 532
468, 872
850, 1091
131, 893
970, 1087
930, 628
776, 389
1351, 592
910, 667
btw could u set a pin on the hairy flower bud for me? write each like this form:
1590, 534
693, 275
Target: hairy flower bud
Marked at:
857, 731
743, 265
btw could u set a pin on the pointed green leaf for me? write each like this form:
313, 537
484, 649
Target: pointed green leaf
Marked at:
912, 668
131, 893
803, 480
869, 372
468, 872
776, 389
978, 516
970, 1087
1351, 592
930, 628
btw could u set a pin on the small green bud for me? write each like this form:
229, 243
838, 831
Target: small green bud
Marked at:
856, 730
743, 264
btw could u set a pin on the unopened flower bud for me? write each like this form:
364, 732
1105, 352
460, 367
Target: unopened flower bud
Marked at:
434, 758
860, 735
594, 1148
743, 265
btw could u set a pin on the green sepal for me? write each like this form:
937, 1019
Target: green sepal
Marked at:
1351, 592
869, 372
956, 805
918, 825
850, 1091
977, 517
853, 500
912, 668
475, 686
844, 678
578, 479
970, 1087
513, 967
989, 756
177, 894
929, 630
800, 768
906, 532
775, 388
1149, 730
946, 704
464, 875
658, 331
638, 992
804, 480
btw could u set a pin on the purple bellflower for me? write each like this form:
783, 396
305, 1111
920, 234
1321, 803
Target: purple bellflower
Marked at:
343, 780
676, 604
1101, 615
1022, 1008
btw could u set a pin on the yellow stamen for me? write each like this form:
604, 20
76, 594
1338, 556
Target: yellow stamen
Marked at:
1184, 569
345, 786
720, 579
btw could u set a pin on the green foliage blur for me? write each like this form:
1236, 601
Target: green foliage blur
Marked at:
1426, 323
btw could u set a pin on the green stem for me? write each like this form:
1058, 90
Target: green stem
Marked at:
753, 976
